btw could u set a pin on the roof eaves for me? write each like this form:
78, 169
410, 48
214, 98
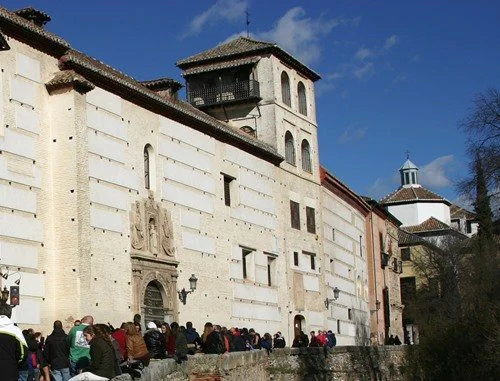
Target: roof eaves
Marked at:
31, 34
91, 67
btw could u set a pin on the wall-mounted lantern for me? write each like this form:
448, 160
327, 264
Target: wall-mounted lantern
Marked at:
336, 293
192, 285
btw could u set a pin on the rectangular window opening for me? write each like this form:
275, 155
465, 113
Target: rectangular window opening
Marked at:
295, 214
295, 258
311, 220
271, 270
244, 254
227, 189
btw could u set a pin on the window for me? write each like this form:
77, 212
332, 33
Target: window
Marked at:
289, 148
407, 178
227, 189
338, 326
148, 167
249, 130
310, 219
313, 261
413, 178
295, 214
381, 242
271, 269
333, 234
285, 89
244, 257
360, 245
349, 313
406, 254
295, 258
301, 90
306, 156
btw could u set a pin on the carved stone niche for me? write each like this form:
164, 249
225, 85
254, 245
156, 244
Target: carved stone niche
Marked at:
154, 268
151, 229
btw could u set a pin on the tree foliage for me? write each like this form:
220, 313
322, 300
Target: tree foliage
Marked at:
482, 128
459, 320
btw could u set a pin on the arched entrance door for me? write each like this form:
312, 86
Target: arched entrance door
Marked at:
153, 303
299, 324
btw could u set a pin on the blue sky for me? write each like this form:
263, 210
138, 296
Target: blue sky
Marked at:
397, 76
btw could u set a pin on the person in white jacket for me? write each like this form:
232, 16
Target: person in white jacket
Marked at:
13, 348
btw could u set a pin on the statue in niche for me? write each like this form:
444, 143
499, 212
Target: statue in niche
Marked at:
167, 241
153, 237
137, 233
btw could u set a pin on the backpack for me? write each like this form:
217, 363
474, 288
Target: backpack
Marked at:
220, 347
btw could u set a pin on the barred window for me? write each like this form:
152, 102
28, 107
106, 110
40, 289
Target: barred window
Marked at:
306, 156
285, 89
289, 148
301, 90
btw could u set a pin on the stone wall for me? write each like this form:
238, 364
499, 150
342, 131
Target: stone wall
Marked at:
288, 364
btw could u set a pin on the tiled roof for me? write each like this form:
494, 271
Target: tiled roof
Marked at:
65, 78
241, 47
408, 239
91, 67
411, 194
28, 32
220, 65
458, 212
431, 224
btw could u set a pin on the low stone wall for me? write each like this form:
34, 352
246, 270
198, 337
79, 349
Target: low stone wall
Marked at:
288, 364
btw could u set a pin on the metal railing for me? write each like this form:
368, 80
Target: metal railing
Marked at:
224, 93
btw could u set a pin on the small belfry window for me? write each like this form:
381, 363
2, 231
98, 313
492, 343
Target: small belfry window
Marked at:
289, 148
301, 90
295, 214
285, 89
306, 156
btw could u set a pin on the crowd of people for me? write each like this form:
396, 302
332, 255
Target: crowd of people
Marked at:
96, 351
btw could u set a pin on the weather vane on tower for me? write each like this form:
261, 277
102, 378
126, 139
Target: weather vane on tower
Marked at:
248, 22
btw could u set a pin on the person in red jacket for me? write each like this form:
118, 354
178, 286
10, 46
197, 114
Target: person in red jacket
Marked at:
120, 335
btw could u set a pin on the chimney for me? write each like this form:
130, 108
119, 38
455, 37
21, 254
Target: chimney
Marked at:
37, 17
165, 87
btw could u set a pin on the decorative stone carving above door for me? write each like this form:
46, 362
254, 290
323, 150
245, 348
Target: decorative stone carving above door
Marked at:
151, 229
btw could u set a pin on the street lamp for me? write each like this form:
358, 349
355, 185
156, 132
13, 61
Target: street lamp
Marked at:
336, 293
192, 285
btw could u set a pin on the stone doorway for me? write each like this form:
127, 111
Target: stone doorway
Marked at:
153, 303
299, 323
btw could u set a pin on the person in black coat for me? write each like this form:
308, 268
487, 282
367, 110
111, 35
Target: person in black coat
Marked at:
155, 342
56, 351
102, 354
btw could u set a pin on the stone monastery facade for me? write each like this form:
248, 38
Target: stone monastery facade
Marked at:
114, 192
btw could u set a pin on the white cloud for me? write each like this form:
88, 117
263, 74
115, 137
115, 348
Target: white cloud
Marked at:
391, 41
364, 71
380, 188
434, 174
299, 35
334, 76
352, 135
363, 54
222, 10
